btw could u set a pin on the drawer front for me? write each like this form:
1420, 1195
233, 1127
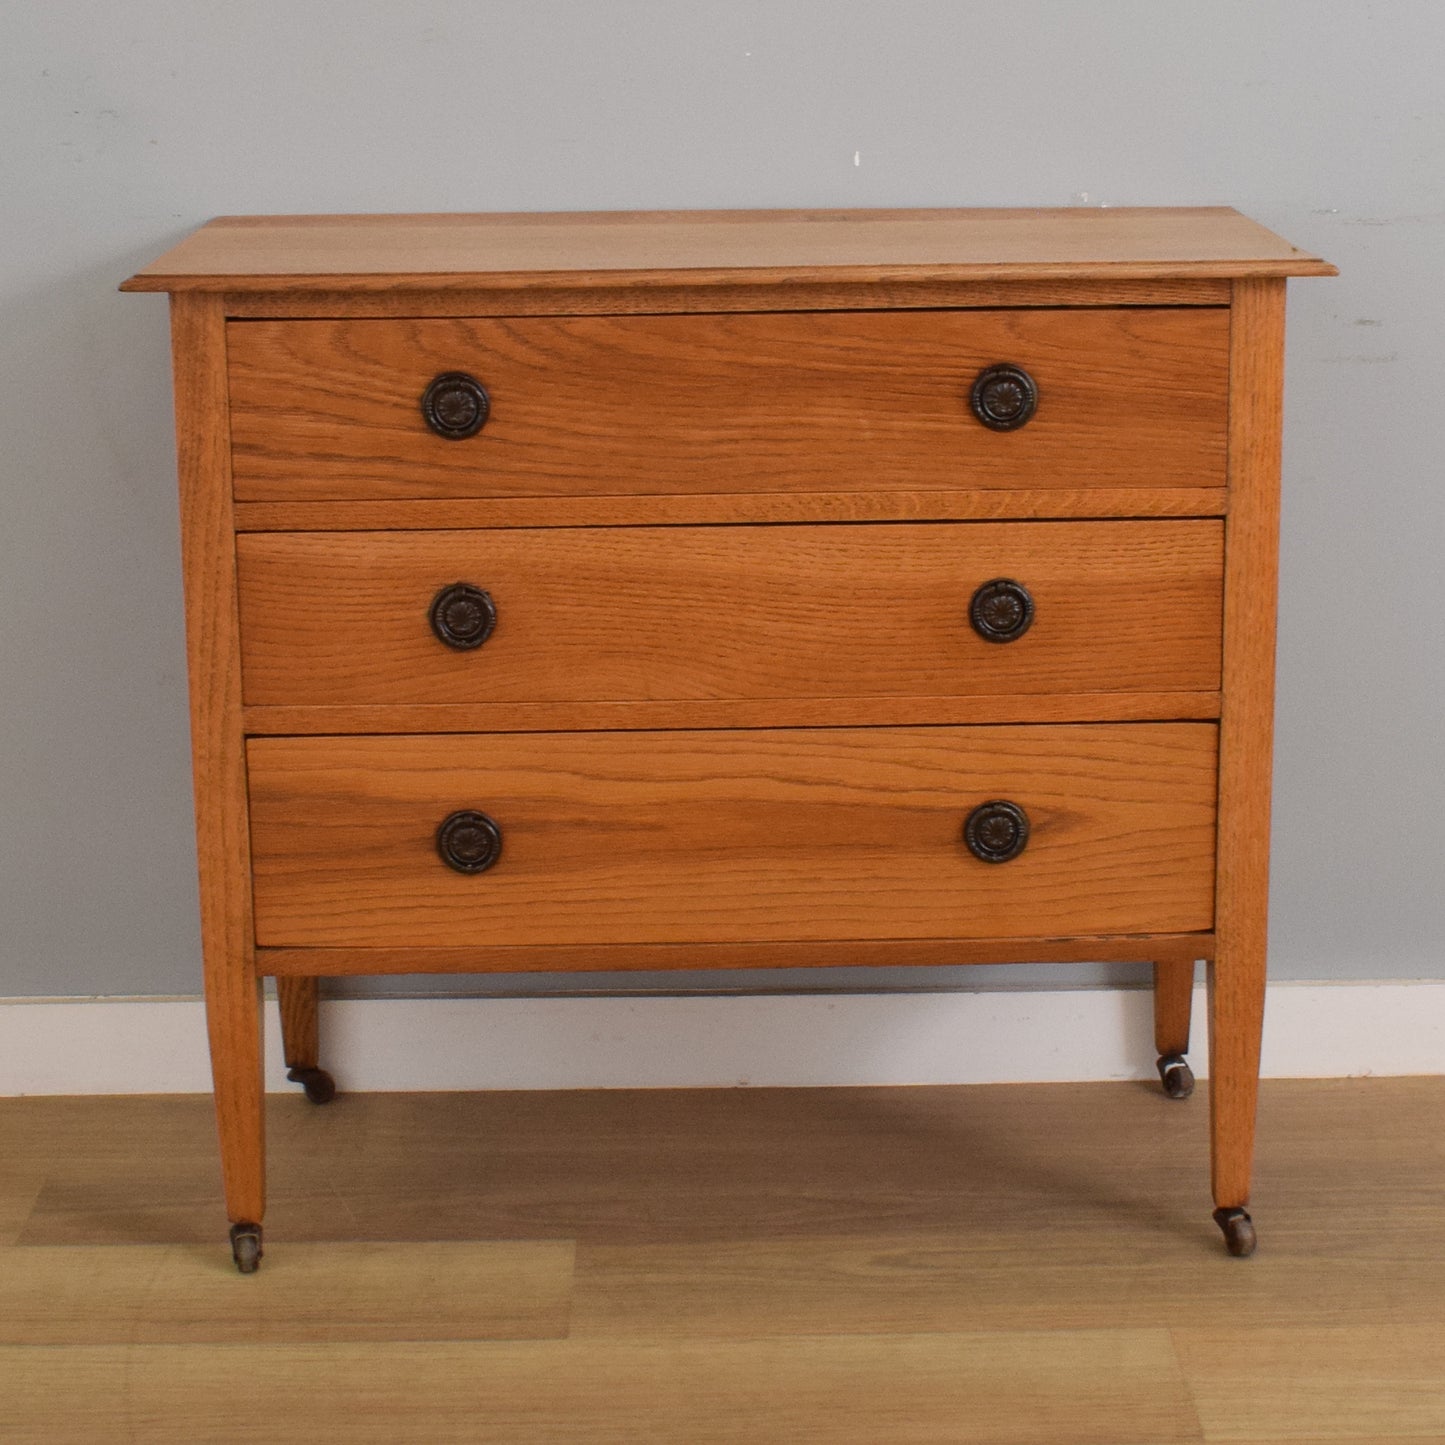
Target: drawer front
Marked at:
695, 836
705, 613
810, 402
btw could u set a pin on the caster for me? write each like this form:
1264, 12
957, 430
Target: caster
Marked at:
319, 1085
1177, 1076
1238, 1230
246, 1247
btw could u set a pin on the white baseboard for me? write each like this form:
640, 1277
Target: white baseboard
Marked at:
158, 1046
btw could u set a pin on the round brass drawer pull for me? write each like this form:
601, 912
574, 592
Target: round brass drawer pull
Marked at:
462, 616
1001, 610
469, 842
1004, 397
997, 831
456, 405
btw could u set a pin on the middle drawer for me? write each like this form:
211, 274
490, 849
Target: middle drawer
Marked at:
705, 613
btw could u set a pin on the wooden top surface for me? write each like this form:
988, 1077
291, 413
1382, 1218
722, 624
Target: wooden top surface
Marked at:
656, 248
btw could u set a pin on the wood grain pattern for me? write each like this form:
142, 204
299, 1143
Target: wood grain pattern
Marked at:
19, 1187
1378, 1385
685, 957
732, 836
1089, 1388
771, 712
944, 1280
641, 249
734, 1225
714, 613
1040, 1179
298, 1001
1237, 975
825, 401
188, 1294
821, 376
564, 300
233, 988
959, 505
1173, 1004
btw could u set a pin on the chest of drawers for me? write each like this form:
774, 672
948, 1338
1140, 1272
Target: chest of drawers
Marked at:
729, 590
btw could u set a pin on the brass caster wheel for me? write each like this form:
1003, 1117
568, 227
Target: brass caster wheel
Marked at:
1176, 1076
1238, 1230
319, 1085
246, 1247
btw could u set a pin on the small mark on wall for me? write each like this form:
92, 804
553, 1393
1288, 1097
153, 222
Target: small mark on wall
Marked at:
1417, 218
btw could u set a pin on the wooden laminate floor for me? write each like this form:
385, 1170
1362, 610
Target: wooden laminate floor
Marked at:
1005, 1264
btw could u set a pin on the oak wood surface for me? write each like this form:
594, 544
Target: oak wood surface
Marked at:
297, 1000
770, 712
827, 953
604, 300
732, 836
233, 988
706, 614
960, 504
1236, 977
633, 416
1378, 1385
650, 248
332, 1292
907, 1390
823, 401
939, 1281
1173, 1004
1040, 1167
1033, 1233
20, 1184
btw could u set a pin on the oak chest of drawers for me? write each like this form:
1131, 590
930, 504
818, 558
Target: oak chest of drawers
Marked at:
726, 590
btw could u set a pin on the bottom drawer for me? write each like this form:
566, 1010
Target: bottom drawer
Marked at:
801, 834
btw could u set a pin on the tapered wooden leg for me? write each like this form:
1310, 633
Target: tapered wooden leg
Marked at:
233, 1018
1173, 1004
300, 1032
299, 999
1236, 1023
218, 757
1236, 975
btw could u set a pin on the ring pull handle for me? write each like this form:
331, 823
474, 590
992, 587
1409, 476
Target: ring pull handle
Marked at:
1001, 610
1004, 397
469, 842
996, 831
455, 405
462, 616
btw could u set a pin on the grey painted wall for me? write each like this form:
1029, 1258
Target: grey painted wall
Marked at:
124, 126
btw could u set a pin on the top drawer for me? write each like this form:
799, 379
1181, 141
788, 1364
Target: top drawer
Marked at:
790, 402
